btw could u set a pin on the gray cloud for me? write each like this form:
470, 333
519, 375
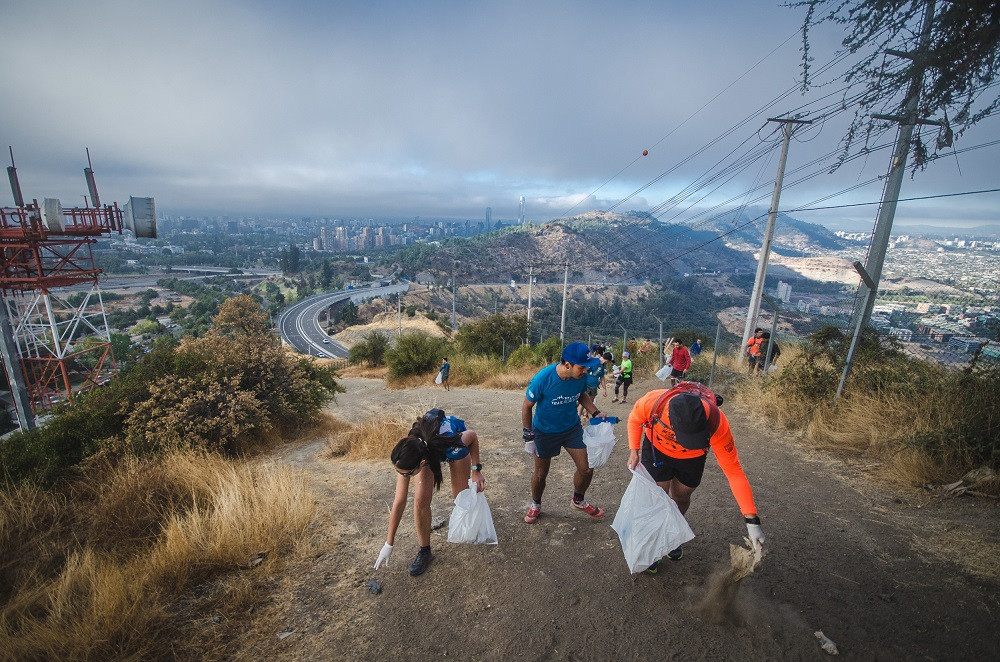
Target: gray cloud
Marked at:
404, 109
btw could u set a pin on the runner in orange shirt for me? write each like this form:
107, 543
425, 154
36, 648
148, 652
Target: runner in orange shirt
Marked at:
673, 429
752, 350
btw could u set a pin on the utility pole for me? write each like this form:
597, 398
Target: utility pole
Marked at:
399, 314
531, 280
870, 289
772, 217
454, 324
897, 167
562, 327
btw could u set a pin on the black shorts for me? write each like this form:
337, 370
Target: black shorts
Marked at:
679, 374
752, 360
688, 472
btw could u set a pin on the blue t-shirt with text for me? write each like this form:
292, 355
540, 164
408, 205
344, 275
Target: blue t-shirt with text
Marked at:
555, 400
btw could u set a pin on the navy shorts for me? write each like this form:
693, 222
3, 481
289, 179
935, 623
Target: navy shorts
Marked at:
688, 472
550, 445
457, 453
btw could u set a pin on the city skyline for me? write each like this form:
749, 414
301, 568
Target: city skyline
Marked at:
392, 111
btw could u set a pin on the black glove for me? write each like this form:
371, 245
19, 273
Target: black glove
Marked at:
527, 434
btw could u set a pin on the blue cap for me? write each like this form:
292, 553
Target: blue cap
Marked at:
579, 354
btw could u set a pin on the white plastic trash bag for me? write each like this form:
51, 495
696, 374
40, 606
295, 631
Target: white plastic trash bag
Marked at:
648, 522
663, 372
438, 379
600, 439
471, 519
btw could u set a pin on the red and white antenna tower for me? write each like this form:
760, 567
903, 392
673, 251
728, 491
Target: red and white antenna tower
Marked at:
53, 348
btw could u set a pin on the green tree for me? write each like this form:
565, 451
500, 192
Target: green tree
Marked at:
349, 314
415, 353
241, 316
371, 350
326, 274
146, 326
492, 335
959, 67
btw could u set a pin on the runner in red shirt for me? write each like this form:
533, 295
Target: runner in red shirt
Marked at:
680, 359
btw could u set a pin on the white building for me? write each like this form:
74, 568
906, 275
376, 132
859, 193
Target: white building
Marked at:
904, 335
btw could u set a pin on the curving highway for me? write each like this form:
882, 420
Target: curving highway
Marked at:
299, 323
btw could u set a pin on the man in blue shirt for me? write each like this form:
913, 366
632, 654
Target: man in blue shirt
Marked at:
556, 390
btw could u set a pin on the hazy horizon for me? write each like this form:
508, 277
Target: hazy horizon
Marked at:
391, 109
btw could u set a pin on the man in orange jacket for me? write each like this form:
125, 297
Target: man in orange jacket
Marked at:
674, 429
752, 350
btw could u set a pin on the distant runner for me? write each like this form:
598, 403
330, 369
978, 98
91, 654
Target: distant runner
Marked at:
680, 359
445, 370
624, 378
752, 350
674, 429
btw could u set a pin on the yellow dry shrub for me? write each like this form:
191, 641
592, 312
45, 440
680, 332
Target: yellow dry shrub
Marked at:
87, 602
190, 413
372, 438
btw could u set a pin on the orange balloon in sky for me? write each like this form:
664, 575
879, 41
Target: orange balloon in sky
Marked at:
645, 152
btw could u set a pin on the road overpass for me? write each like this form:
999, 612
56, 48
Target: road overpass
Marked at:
299, 323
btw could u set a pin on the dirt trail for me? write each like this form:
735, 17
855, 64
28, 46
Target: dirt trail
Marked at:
862, 564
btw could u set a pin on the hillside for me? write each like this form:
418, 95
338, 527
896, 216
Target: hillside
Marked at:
388, 324
792, 237
886, 574
605, 247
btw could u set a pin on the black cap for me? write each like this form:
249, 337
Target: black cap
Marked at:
689, 421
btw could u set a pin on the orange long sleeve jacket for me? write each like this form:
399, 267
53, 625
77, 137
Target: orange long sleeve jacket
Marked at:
664, 441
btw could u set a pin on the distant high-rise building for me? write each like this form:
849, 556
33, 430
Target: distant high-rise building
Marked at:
520, 211
317, 244
324, 240
489, 216
784, 291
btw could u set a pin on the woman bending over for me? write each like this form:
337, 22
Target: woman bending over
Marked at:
433, 439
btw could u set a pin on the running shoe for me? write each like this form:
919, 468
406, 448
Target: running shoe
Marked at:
533, 512
624, 400
421, 562
616, 399
589, 508
653, 569
676, 555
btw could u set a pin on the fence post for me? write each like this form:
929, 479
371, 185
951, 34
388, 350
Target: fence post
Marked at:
715, 353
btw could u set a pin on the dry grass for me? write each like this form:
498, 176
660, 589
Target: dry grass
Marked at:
883, 426
101, 571
366, 371
371, 439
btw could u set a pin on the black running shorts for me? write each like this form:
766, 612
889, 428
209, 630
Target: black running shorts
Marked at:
688, 472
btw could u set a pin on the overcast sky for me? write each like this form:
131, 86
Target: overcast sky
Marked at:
433, 109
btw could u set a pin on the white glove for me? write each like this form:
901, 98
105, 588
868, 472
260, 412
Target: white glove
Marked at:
529, 448
755, 533
383, 556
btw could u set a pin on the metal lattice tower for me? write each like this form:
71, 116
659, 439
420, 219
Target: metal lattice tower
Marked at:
53, 347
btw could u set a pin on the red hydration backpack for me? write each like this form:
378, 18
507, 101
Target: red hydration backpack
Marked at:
656, 415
